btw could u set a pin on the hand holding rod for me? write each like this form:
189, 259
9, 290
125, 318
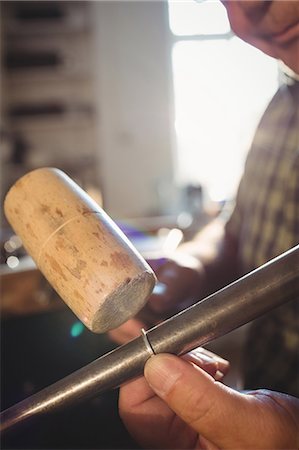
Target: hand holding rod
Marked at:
267, 287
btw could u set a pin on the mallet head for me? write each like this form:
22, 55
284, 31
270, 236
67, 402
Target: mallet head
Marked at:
79, 249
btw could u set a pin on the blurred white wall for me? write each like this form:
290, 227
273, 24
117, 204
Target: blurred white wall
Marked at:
135, 104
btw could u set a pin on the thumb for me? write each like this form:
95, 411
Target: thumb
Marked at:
193, 395
223, 416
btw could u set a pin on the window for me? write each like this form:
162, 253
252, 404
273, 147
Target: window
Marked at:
221, 87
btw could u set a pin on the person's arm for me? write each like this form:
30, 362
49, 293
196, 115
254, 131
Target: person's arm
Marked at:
178, 405
194, 270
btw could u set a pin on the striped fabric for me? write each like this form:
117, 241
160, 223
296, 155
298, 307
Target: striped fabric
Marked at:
265, 223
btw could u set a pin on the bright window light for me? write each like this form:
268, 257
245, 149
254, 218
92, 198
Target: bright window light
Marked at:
221, 88
188, 17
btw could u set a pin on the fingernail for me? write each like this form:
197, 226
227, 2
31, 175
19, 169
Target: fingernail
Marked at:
218, 375
161, 373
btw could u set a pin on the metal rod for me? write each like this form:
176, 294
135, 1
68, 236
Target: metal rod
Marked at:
267, 287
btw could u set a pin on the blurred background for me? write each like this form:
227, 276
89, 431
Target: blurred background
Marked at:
150, 106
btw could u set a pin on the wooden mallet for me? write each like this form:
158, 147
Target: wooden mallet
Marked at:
79, 249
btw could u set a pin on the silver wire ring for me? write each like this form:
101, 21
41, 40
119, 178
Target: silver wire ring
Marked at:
147, 342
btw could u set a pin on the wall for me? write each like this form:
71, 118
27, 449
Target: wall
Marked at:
48, 90
111, 83
134, 98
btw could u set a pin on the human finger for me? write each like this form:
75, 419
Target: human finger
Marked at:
224, 417
211, 363
150, 421
179, 285
126, 332
135, 393
223, 364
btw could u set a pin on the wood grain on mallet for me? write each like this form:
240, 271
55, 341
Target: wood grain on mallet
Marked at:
79, 249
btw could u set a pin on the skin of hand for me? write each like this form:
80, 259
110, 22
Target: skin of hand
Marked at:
195, 269
180, 283
179, 405
271, 26
181, 280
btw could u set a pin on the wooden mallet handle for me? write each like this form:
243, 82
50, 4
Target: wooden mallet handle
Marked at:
79, 249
